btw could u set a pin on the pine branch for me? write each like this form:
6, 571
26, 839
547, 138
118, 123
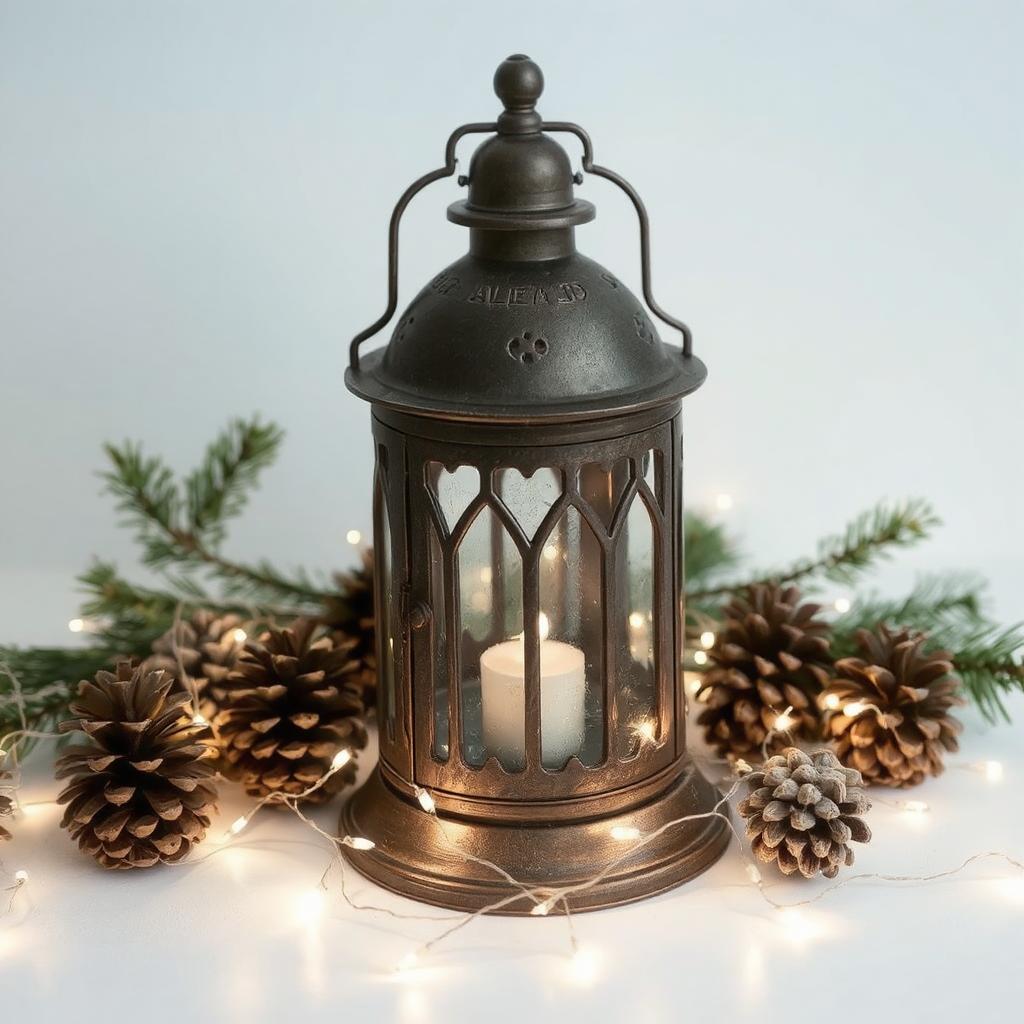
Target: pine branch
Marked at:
219, 488
187, 531
46, 677
263, 583
872, 535
708, 551
132, 616
986, 657
111, 596
989, 660
145, 491
935, 603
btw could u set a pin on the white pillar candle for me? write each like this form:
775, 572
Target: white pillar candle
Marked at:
562, 700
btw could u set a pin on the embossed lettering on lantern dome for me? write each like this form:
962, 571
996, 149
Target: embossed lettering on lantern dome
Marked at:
568, 320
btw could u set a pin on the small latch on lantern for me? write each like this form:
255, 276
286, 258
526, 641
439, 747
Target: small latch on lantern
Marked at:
416, 614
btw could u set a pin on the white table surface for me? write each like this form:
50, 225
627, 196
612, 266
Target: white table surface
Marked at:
232, 937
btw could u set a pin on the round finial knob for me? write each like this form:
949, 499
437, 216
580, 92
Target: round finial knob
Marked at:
518, 83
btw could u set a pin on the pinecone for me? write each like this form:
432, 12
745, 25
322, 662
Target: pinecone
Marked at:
199, 652
6, 801
902, 742
291, 703
140, 789
770, 654
352, 618
803, 811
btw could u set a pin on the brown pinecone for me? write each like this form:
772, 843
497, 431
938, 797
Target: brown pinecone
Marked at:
6, 802
140, 789
353, 618
291, 703
902, 742
199, 652
770, 654
803, 811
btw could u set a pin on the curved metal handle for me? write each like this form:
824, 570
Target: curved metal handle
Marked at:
645, 228
396, 219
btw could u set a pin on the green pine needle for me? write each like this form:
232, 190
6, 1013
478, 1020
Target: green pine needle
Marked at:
218, 489
709, 553
989, 660
869, 537
182, 526
935, 603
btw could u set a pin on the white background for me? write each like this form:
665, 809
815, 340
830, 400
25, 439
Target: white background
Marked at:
193, 205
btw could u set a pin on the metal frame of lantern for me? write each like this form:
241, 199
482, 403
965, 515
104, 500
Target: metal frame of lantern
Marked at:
548, 824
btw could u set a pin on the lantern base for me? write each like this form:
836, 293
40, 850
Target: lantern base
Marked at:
413, 858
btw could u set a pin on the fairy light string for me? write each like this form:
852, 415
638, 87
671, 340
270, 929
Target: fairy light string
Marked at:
545, 900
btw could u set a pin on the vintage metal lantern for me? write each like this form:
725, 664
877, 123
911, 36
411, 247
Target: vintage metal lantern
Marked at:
527, 530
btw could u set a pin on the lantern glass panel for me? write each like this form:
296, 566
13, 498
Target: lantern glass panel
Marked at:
636, 624
490, 611
454, 489
571, 575
602, 488
439, 648
528, 498
385, 561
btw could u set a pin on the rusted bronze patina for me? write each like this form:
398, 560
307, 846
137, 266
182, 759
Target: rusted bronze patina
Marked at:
526, 418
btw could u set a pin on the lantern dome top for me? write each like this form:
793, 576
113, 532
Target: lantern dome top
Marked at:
523, 328
520, 179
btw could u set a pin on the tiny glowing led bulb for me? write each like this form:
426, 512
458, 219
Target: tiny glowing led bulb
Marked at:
408, 962
784, 721
543, 908
358, 842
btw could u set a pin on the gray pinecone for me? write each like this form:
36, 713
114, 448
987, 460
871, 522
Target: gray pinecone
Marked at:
803, 811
